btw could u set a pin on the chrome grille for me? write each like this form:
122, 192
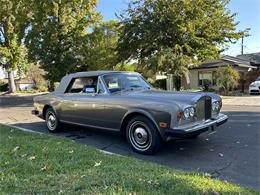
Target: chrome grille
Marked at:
203, 108
208, 108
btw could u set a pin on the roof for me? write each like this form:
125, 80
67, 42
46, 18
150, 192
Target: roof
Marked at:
254, 58
225, 61
94, 73
66, 79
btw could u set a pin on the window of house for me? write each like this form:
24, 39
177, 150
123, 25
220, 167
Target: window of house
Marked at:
207, 78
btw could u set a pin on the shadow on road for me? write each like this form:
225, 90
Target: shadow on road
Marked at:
230, 153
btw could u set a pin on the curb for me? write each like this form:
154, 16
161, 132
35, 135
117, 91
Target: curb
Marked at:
30, 131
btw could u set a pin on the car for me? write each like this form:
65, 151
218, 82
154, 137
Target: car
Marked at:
254, 88
125, 102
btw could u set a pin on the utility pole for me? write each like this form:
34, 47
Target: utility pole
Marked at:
242, 45
246, 34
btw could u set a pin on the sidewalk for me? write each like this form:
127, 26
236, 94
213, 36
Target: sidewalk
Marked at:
241, 101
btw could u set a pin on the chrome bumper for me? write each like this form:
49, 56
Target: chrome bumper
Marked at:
198, 127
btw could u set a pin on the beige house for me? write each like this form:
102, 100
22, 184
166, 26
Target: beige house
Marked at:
205, 74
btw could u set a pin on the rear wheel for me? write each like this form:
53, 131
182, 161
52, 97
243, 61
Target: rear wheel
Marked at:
52, 120
143, 136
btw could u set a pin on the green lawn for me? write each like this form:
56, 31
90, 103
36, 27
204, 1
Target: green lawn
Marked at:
33, 163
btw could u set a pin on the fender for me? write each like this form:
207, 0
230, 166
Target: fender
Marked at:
149, 116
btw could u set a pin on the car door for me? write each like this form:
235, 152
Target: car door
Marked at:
79, 107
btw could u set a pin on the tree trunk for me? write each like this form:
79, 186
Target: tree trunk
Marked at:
177, 83
11, 83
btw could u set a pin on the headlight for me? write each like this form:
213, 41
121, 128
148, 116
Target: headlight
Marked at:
215, 106
252, 85
192, 112
189, 112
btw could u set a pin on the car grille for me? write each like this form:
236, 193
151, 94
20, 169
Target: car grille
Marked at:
203, 108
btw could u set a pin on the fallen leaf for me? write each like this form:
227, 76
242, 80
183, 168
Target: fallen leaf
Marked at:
45, 149
12, 130
97, 164
71, 151
44, 168
24, 155
207, 139
16, 148
32, 158
211, 150
220, 154
237, 142
10, 137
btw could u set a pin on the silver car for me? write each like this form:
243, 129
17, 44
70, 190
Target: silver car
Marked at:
124, 102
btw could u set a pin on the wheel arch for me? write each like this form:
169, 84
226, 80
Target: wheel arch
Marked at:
45, 108
129, 115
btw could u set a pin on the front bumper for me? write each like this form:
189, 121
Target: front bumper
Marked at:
255, 89
197, 128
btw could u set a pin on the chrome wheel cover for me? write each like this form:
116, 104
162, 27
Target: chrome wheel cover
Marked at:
140, 136
51, 121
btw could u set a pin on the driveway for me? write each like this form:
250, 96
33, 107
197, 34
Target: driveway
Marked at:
232, 153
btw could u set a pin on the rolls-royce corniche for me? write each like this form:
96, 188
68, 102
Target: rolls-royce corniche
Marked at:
125, 102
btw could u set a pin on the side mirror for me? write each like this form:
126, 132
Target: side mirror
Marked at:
90, 90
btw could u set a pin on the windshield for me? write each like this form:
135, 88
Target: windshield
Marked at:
258, 79
123, 81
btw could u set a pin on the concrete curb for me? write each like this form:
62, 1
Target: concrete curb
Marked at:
30, 131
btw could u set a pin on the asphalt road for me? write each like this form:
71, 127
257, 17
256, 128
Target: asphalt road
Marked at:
232, 153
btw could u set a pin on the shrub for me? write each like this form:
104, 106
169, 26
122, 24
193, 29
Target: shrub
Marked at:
227, 78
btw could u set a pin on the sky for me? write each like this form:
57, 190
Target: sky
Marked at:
248, 16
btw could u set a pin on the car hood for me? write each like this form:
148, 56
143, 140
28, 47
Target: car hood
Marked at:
255, 83
167, 96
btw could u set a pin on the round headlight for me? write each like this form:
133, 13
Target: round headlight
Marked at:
213, 106
192, 112
217, 105
186, 113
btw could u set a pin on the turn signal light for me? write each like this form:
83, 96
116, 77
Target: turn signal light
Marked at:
162, 125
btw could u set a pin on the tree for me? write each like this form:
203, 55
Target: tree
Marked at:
14, 20
57, 32
227, 78
100, 46
184, 32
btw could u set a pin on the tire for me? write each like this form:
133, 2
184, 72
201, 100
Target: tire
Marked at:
52, 121
143, 136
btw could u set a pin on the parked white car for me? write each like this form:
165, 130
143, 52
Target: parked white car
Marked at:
254, 88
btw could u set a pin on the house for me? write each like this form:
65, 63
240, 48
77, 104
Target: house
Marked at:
21, 83
205, 74
253, 58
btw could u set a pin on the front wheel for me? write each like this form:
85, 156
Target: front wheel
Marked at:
52, 121
143, 136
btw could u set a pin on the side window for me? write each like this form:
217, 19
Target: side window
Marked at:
83, 85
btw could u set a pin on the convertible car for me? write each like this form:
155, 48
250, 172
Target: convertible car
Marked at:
126, 103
